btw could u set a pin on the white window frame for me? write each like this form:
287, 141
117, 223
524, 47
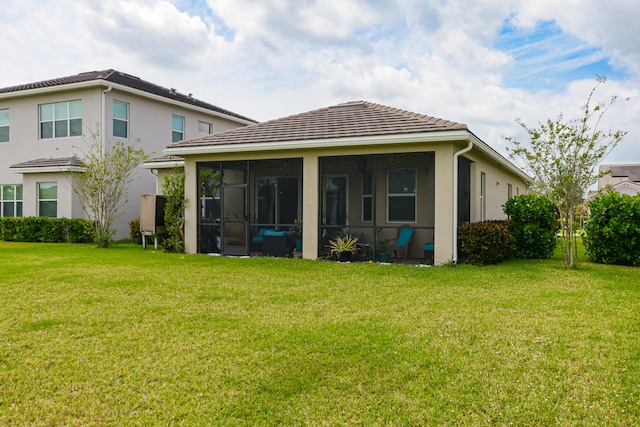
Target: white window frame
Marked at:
174, 130
483, 194
367, 196
202, 125
68, 119
414, 195
6, 124
509, 191
119, 119
15, 201
47, 200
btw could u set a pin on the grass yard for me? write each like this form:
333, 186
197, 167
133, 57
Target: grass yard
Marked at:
124, 337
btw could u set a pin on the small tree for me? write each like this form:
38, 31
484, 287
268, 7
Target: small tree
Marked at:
562, 156
173, 190
103, 186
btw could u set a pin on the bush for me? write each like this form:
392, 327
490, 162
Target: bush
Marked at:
44, 229
613, 230
486, 242
533, 225
173, 190
134, 231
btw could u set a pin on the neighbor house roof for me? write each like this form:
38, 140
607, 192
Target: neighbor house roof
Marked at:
123, 79
351, 119
58, 164
632, 172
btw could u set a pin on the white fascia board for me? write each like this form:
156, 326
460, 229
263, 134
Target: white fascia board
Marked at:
321, 143
49, 169
164, 165
105, 83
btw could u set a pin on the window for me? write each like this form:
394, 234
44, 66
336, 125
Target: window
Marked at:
61, 120
367, 197
335, 200
120, 119
4, 125
48, 199
177, 128
401, 195
483, 192
509, 191
204, 127
10, 200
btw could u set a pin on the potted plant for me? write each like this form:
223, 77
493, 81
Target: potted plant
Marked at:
343, 247
295, 231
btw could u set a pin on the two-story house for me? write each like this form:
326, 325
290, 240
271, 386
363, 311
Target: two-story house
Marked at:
45, 125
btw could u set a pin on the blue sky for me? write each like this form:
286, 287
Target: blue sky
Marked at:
483, 63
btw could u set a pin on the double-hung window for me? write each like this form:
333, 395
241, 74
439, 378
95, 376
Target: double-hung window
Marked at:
401, 195
10, 200
48, 199
120, 119
177, 128
61, 120
4, 125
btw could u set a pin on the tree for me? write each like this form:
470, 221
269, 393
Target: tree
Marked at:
562, 156
103, 186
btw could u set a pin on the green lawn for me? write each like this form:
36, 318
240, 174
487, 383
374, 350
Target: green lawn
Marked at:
124, 337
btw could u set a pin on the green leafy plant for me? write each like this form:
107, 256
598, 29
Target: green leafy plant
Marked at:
47, 230
613, 230
102, 184
486, 242
173, 190
134, 231
343, 247
562, 156
533, 225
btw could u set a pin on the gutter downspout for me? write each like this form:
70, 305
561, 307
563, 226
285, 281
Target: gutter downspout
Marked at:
103, 137
455, 198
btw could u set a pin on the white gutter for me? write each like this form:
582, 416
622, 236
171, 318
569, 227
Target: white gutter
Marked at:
455, 198
103, 136
170, 164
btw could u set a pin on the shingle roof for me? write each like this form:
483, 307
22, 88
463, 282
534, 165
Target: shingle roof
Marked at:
351, 119
127, 80
49, 162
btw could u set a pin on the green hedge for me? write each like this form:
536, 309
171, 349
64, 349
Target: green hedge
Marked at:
613, 230
533, 225
486, 242
44, 229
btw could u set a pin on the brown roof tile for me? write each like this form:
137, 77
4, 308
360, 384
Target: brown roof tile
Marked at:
49, 162
351, 119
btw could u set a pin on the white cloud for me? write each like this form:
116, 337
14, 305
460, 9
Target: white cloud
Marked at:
267, 59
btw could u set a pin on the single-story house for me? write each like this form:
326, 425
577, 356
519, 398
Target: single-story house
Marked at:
362, 166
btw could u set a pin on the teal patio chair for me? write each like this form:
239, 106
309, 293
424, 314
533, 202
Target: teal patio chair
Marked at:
405, 234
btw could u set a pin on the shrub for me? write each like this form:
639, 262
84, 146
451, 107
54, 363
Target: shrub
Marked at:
44, 229
486, 242
134, 231
533, 225
613, 230
173, 190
